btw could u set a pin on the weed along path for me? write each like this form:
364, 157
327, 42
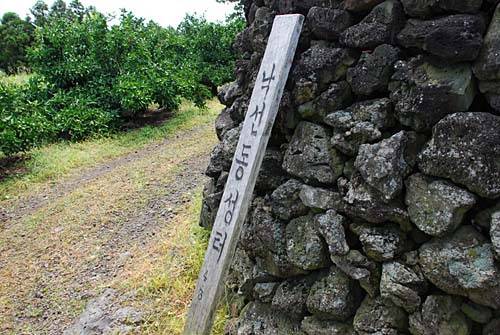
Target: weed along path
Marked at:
110, 245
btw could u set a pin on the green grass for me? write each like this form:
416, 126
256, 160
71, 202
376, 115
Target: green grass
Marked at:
54, 161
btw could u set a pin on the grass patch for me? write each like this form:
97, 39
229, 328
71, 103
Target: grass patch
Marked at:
20, 78
169, 285
56, 160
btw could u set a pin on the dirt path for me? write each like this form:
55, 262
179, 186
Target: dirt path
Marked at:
65, 246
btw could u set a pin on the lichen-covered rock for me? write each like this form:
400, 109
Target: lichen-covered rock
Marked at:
264, 237
360, 268
311, 325
305, 248
361, 123
222, 155
210, 204
334, 297
331, 227
264, 292
476, 313
495, 233
379, 27
403, 285
259, 319
229, 92
463, 264
424, 93
223, 123
291, 296
363, 202
385, 164
440, 315
487, 67
245, 273
483, 217
285, 201
380, 243
470, 143
311, 157
456, 38
323, 64
373, 70
271, 174
319, 198
376, 316
328, 23
436, 207
360, 5
337, 96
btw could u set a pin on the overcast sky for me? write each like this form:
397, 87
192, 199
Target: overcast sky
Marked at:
164, 12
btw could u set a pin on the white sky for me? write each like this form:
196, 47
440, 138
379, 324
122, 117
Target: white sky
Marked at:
167, 12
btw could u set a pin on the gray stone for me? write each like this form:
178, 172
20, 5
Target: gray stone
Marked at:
436, 207
385, 164
222, 155
424, 93
470, 143
210, 204
492, 327
323, 64
337, 96
259, 319
376, 316
103, 315
305, 90
264, 292
264, 237
303, 6
334, 297
455, 38
373, 70
360, 268
463, 264
360, 123
426, 8
285, 201
318, 198
271, 174
229, 92
223, 123
310, 156
403, 285
291, 296
483, 217
495, 233
487, 66
476, 313
328, 23
440, 315
360, 5
314, 326
238, 109
305, 248
331, 227
379, 27
363, 202
380, 243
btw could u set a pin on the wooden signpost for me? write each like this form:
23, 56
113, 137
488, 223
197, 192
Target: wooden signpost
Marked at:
259, 121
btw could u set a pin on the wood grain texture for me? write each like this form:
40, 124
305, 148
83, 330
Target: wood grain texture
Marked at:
259, 121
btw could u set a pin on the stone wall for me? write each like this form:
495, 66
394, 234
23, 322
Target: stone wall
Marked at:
377, 208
